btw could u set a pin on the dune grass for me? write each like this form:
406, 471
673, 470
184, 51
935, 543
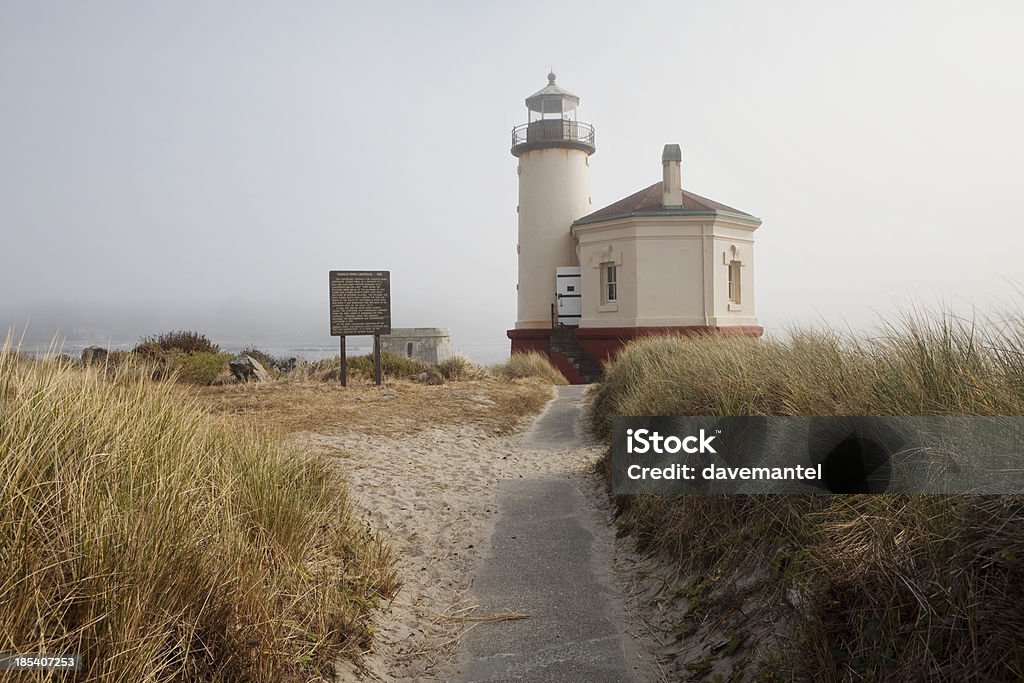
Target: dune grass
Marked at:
924, 365
530, 364
454, 369
163, 544
460, 369
393, 366
883, 587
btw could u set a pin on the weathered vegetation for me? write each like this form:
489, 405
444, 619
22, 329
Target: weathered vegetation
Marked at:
163, 543
530, 364
398, 407
170, 532
184, 341
191, 358
877, 587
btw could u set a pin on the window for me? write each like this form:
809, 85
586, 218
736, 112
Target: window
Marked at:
734, 281
408, 349
610, 286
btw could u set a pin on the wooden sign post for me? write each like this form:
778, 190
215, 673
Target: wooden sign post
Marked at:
360, 305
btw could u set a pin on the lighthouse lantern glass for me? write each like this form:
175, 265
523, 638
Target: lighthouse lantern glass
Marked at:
552, 107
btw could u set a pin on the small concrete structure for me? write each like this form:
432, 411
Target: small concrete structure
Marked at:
428, 344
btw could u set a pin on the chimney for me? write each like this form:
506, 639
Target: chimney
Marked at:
672, 177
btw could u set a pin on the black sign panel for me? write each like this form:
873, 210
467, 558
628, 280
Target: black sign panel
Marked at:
360, 302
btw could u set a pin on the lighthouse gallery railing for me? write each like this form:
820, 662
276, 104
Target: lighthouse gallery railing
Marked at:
553, 130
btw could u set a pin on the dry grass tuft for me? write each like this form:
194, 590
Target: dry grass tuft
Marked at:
460, 369
884, 587
163, 544
530, 364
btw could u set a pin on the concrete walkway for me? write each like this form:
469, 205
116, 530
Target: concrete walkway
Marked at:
559, 425
544, 562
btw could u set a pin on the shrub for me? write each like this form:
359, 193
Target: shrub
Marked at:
163, 544
398, 366
200, 368
191, 368
360, 366
148, 349
531, 364
392, 365
186, 342
190, 356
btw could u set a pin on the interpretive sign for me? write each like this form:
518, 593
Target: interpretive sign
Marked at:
360, 305
360, 302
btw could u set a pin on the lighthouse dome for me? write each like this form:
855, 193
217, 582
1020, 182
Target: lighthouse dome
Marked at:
552, 99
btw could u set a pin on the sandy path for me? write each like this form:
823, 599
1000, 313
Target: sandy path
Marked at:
549, 560
432, 495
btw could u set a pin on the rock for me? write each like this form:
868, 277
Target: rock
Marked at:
94, 355
388, 397
430, 376
287, 364
245, 368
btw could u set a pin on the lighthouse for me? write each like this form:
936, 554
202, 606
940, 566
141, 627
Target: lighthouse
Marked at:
553, 149
664, 260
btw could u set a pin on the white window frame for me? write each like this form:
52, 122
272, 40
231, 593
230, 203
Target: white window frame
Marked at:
609, 285
734, 282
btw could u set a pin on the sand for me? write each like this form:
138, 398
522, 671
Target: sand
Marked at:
431, 495
424, 463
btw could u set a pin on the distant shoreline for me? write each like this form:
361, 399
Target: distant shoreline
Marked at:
484, 354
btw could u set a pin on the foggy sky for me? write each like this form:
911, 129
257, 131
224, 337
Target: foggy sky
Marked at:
205, 164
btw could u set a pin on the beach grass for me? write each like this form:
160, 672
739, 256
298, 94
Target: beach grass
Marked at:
529, 364
900, 587
457, 368
163, 543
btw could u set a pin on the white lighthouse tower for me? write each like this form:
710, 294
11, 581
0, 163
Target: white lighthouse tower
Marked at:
554, 151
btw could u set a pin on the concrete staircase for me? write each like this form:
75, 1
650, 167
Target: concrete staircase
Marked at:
563, 341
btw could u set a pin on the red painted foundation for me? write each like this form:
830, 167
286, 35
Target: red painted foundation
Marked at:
530, 340
604, 343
